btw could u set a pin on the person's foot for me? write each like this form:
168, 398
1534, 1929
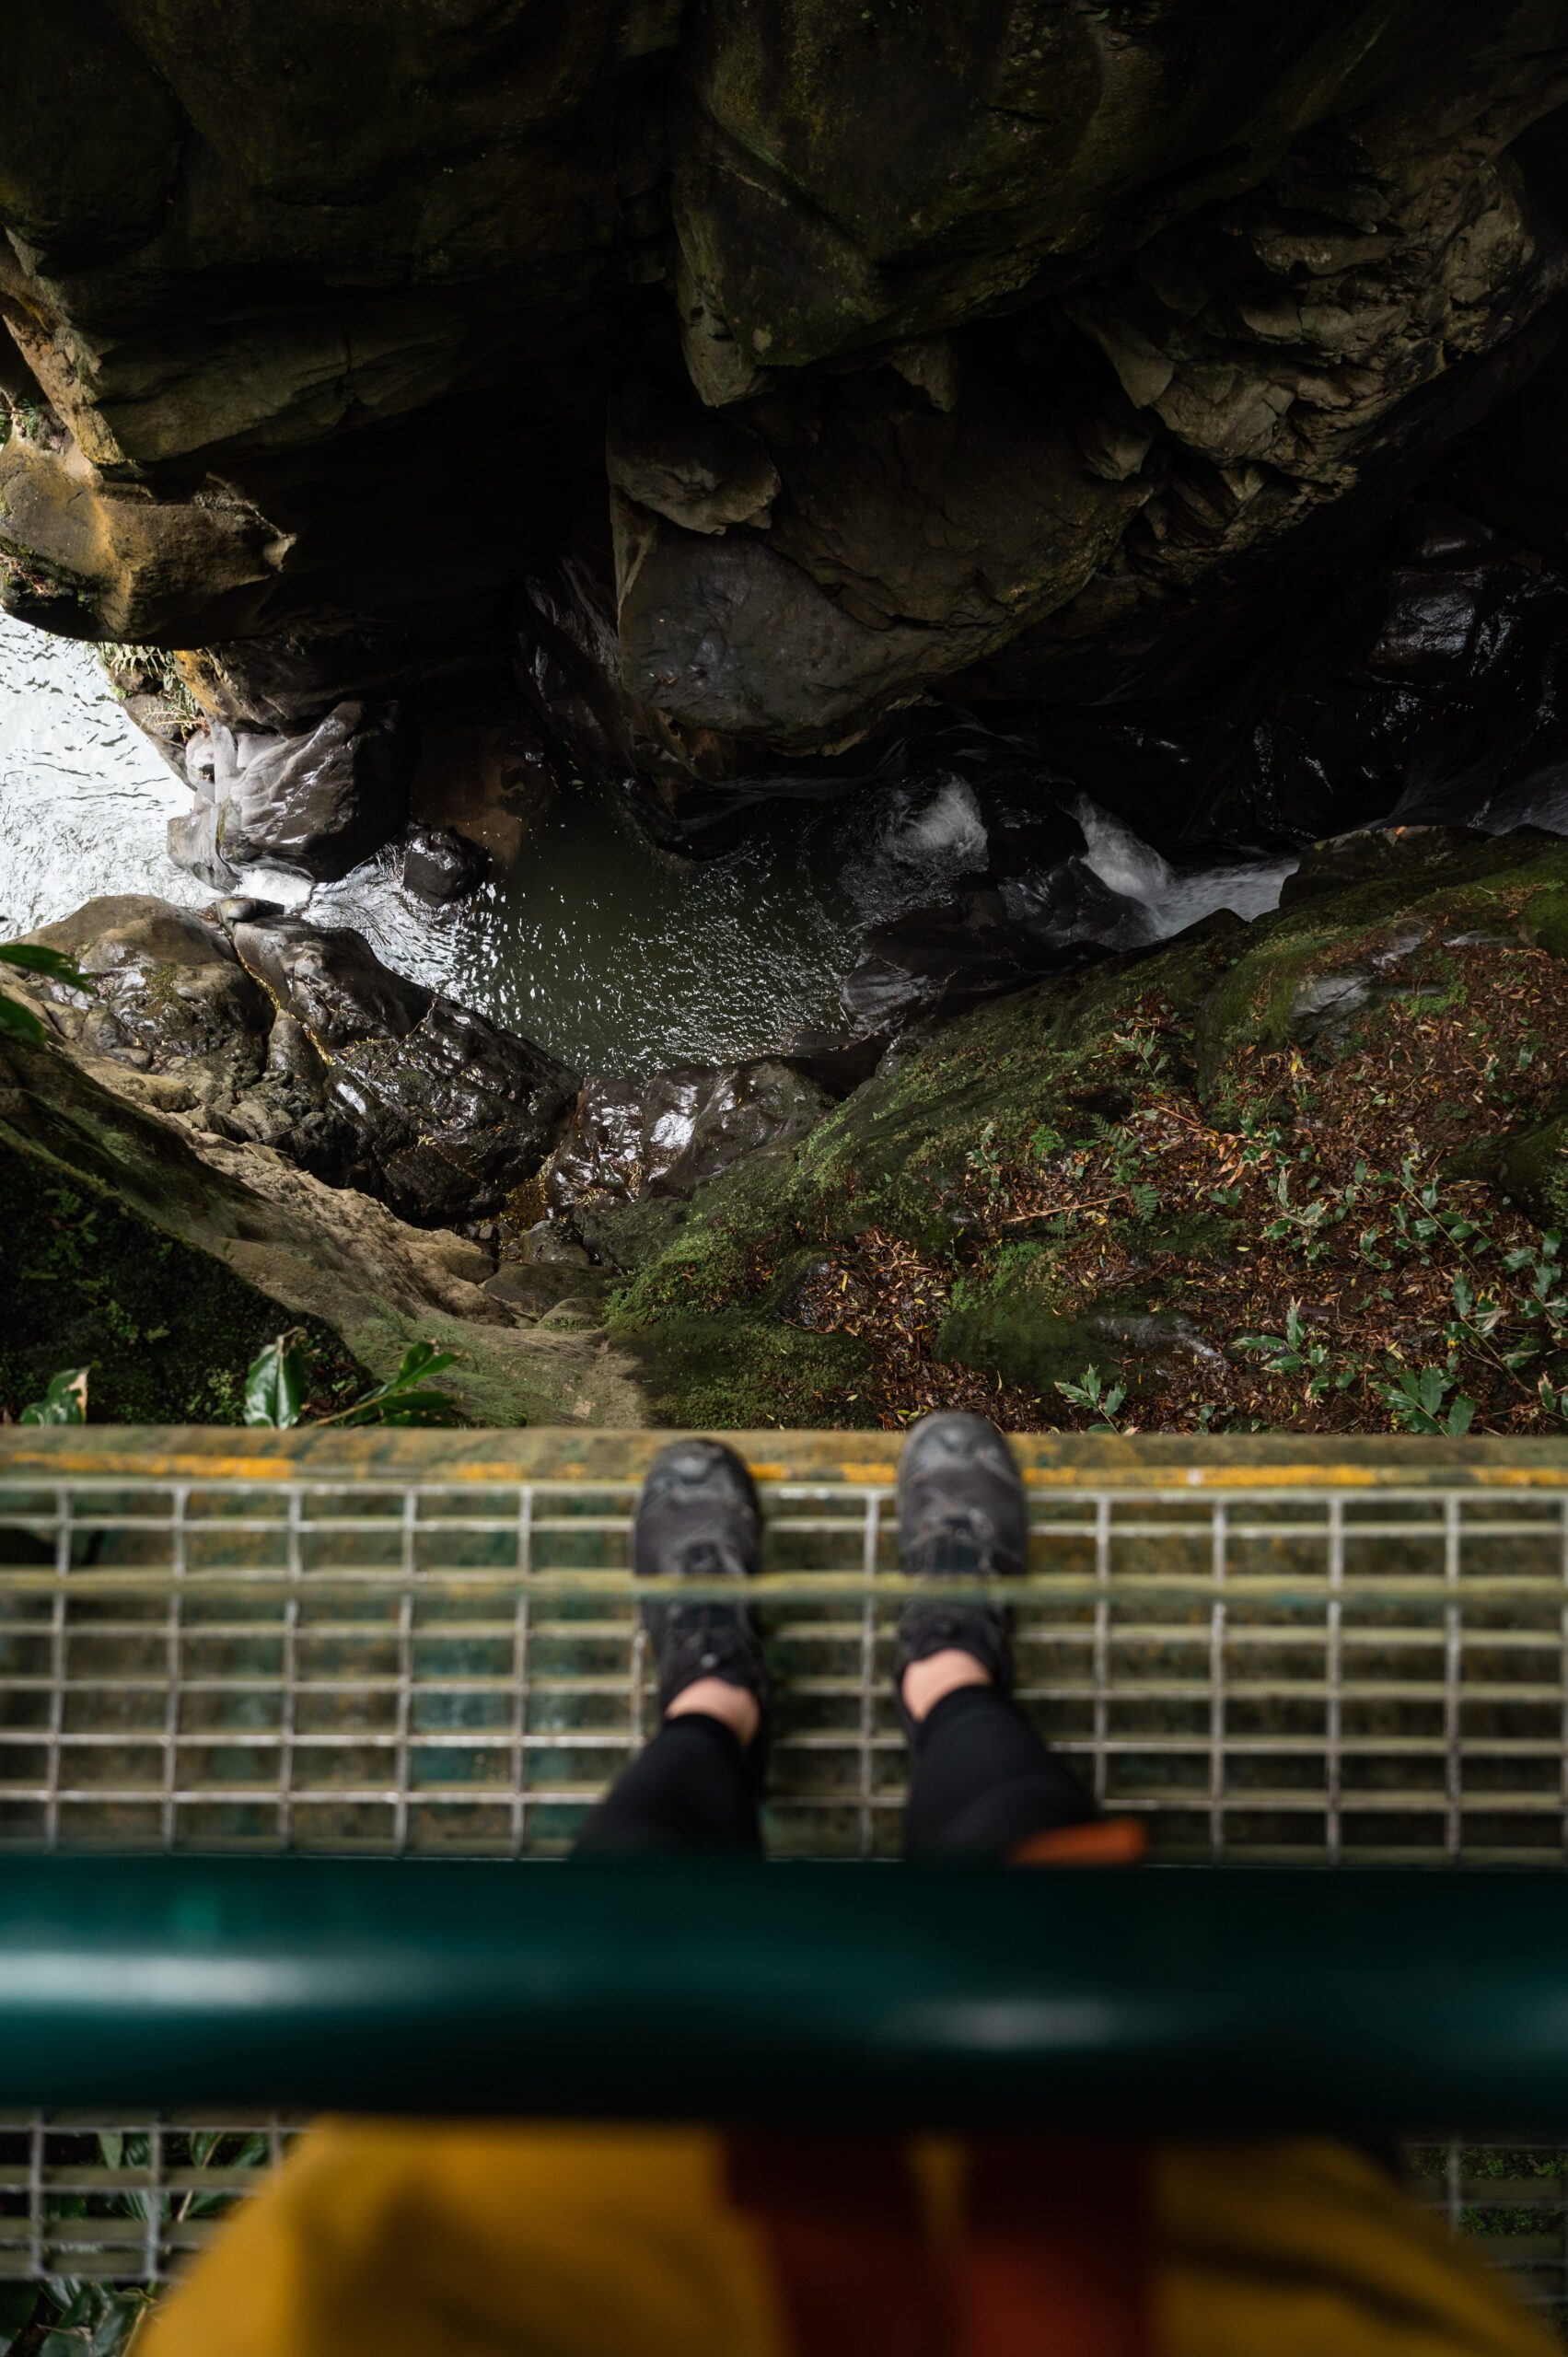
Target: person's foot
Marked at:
697, 1518
961, 1513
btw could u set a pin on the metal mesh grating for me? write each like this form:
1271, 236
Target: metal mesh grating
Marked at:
428, 1644
110, 2198
106, 2198
439, 1663
1511, 2201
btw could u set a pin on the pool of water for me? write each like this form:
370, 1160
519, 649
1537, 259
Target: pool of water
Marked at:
616, 957
610, 956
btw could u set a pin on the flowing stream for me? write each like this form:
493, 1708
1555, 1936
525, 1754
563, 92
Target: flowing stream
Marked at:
610, 956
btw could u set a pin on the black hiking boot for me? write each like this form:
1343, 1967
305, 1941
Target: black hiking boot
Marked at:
961, 1513
698, 1519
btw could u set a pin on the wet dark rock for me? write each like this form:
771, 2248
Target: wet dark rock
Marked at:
574, 1312
669, 454
174, 1002
292, 1054
600, 1151
1115, 893
301, 1252
1426, 687
267, 1029
264, 1028
331, 981
441, 865
443, 1112
838, 1062
568, 670
1372, 852
237, 910
741, 1108
1323, 1008
1443, 705
547, 1243
625, 1234
934, 961
628, 1139
167, 982
315, 804
1183, 437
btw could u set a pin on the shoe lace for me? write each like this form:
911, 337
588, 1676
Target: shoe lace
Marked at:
963, 1543
709, 1559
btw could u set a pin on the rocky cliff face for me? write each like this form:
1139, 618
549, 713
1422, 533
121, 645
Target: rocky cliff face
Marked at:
718, 379
684, 391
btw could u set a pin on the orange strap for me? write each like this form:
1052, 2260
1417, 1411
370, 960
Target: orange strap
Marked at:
1053, 2260
857, 2276
1058, 2250
1107, 1841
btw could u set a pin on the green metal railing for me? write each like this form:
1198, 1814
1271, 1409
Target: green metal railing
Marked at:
1177, 2002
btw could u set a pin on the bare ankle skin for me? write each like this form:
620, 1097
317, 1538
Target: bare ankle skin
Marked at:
715, 1698
925, 1682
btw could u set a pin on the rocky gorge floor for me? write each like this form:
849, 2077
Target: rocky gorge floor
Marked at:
1307, 1172
1030, 545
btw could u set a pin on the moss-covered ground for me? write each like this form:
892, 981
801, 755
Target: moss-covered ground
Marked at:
1304, 1174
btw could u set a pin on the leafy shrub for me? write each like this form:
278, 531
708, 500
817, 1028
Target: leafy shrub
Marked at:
31, 957
275, 1384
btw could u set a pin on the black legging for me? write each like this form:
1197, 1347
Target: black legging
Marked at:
982, 1782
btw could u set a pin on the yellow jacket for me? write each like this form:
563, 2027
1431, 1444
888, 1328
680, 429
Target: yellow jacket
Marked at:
415, 2239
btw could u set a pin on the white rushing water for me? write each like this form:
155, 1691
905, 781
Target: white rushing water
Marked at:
84, 799
1170, 899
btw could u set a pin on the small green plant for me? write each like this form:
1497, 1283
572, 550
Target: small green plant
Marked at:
1145, 1047
33, 957
69, 2317
1293, 1353
1301, 1223
65, 1402
155, 664
276, 1383
1090, 1393
1418, 1401
984, 1157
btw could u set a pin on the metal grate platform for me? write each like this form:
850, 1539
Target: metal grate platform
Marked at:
104, 2199
409, 1644
1511, 2200
427, 1642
